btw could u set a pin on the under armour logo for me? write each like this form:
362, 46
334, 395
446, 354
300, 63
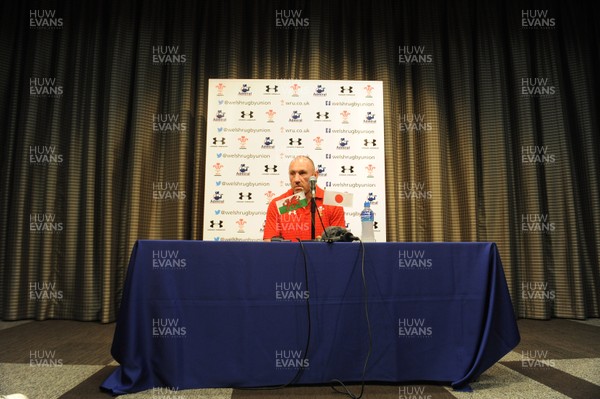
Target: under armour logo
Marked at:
269, 88
347, 169
323, 114
271, 168
249, 114
343, 89
374, 225
297, 141
370, 142
214, 224
247, 196
216, 140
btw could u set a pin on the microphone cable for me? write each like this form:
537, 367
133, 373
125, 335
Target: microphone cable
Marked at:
300, 371
346, 390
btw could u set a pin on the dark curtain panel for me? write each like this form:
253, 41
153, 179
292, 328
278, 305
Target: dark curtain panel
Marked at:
491, 132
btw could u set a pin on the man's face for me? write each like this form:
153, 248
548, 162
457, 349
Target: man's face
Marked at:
301, 170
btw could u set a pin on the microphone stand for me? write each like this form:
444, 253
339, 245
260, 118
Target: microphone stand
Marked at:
313, 208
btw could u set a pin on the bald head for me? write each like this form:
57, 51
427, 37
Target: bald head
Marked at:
300, 170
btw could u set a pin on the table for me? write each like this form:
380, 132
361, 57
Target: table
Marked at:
198, 314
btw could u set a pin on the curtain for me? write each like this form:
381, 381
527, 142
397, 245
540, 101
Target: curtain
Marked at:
491, 132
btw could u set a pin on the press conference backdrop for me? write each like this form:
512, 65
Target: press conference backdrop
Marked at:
491, 132
255, 127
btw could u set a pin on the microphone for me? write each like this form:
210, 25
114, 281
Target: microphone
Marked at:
313, 185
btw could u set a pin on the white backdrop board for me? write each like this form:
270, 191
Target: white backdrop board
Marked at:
255, 127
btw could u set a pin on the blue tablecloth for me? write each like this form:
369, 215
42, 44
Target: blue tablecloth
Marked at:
200, 314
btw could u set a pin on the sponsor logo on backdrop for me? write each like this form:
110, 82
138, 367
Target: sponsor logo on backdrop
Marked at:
44, 358
414, 123
370, 144
346, 91
167, 327
45, 223
217, 198
288, 19
271, 90
43, 155
168, 260
345, 115
414, 55
243, 142
220, 116
245, 197
270, 170
243, 170
268, 144
245, 90
415, 191
270, 115
295, 142
220, 87
343, 144
295, 92
45, 87
414, 328
247, 116
165, 123
45, 19
295, 117
347, 170
537, 19
44, 291
241, 223
320, 91
218, 167
369, 91
219, 142
216, 225
167, 55
269, 195
414, 260
370, 168
318, 143
537, 223
372, 198
322, 116
369, 118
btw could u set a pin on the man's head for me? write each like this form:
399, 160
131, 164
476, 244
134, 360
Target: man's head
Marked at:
300, 170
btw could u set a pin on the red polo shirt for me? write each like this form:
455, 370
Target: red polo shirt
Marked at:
296, 224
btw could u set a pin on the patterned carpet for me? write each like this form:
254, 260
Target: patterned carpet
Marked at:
66, 359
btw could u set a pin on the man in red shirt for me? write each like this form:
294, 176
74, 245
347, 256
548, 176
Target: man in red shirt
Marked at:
296, 224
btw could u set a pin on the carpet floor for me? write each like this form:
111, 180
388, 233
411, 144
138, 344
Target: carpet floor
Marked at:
60, 359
